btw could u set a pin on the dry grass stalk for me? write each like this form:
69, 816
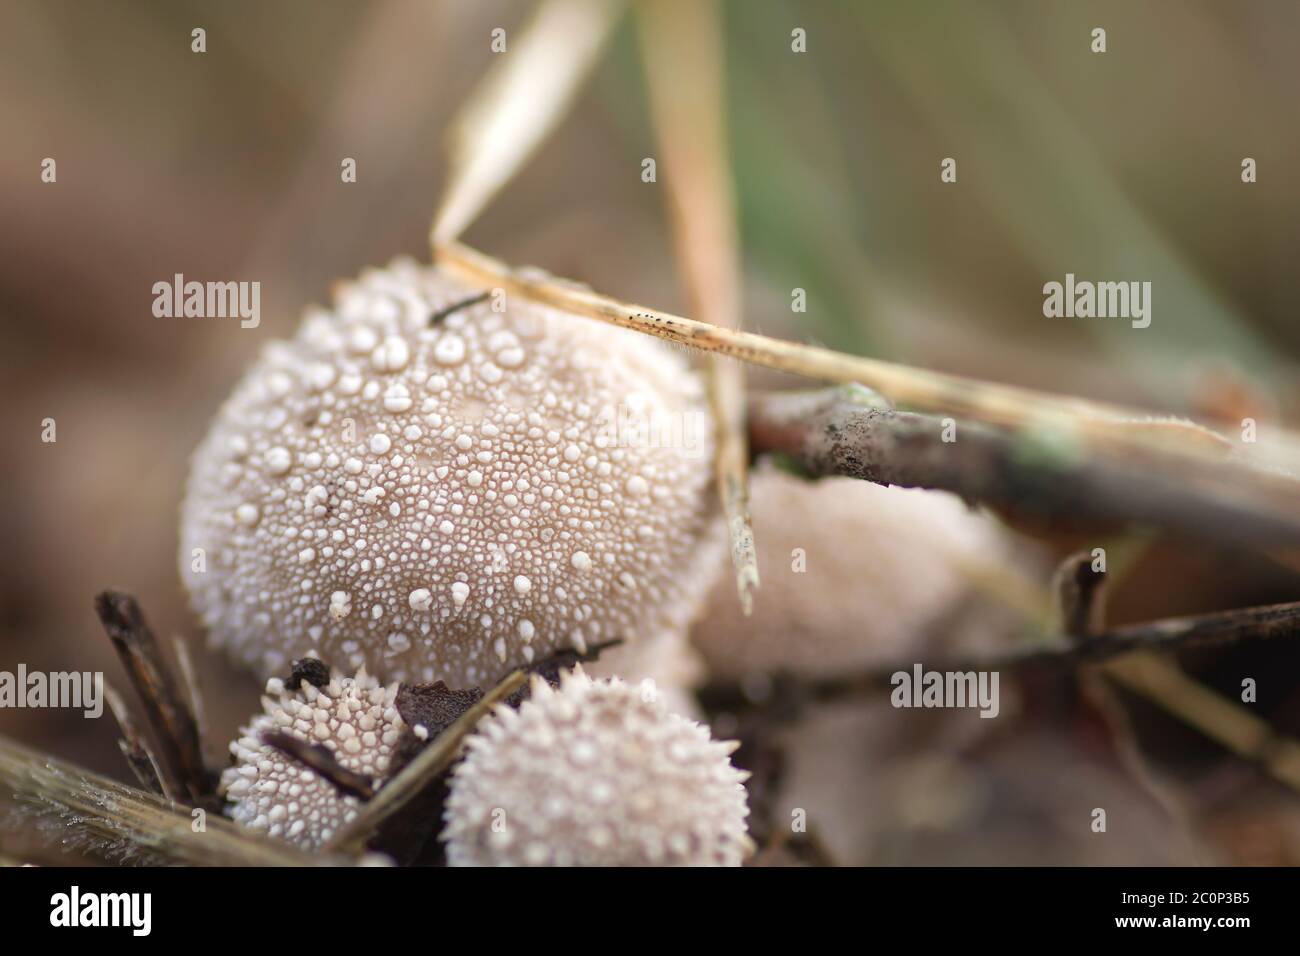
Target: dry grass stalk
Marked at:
518, 103
168, 710
134, 748
109, 820
1101, 648
1074, 426
1162, 681
684, 50
185, 662
419, 774
1081, 595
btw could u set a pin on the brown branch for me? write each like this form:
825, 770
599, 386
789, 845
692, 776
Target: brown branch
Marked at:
1168, 634
850, 431
321, 760
168, 712
1080, 605
1080, 592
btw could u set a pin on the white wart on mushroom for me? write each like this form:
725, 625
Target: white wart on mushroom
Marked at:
447, 499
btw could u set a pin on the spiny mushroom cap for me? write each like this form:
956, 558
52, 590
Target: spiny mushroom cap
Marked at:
355, 717
881, 567
447, 497
594, 774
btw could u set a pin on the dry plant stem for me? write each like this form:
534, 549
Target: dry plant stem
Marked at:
1070, 426
783, 838
1176, 633
1162, 681
524, 96
732, 466
684, 51
1080, 597
1168, 634
1217, 717
169, 714
1095, 424
1105, 697
186, 663
322, 761
110, 819
419, 774
137, 753
849, 431
1080, 593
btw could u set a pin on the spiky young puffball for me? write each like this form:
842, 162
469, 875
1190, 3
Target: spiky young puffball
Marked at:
595, 773
447, 496
356, 718
854, 575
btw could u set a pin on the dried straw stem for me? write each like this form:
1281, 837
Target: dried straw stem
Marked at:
1095, 425
168, 710
1081, 595
107, 819
418, 775
1248, 736
684, 51
518, 103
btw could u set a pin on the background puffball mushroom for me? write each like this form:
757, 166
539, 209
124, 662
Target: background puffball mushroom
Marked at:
668, 660
854, 575
595, 774
354, 717
434, 489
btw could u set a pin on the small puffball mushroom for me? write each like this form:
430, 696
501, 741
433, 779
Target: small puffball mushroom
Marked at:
355, 717
438, 490
854, 575
595, 774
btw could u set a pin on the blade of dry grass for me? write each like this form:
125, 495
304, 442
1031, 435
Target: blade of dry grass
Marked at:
168, 710
1081, 600
1073, 426
1163, 681
683, 48
101, 817
417, 775
134, 748
518, 103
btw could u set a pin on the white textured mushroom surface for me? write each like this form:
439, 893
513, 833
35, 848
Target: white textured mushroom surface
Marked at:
595, 774
447, 499
854, 575
355, 717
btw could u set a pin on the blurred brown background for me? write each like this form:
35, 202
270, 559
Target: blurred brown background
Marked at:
225, 166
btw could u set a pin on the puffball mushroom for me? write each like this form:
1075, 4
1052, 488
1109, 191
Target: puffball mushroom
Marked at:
356, 718
595, 773
435, 489
667, 659
854, 575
